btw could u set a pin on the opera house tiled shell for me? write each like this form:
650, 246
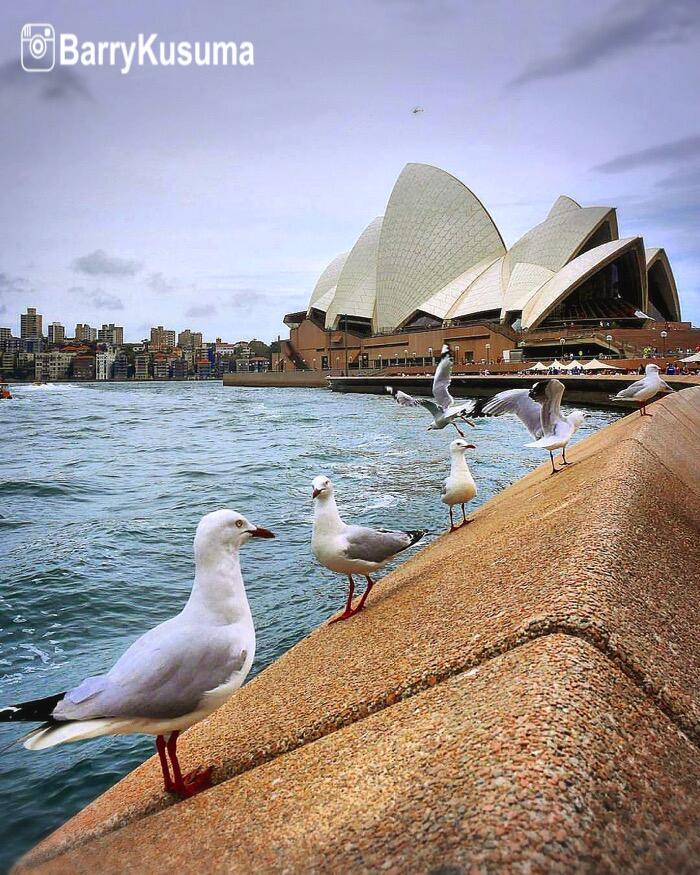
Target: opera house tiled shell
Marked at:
437, 258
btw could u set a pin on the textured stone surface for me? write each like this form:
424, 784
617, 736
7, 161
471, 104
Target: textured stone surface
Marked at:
512, 767
606, 552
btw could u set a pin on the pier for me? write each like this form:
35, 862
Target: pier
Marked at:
520, 696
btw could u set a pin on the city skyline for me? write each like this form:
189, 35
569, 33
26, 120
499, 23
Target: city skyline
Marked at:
225, 205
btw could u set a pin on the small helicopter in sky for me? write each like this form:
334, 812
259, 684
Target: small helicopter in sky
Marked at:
417, 109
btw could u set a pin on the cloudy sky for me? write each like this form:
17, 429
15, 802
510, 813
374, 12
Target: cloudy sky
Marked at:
211, 198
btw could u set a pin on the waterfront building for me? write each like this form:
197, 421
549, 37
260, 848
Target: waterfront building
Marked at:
84, 367
112, 334
84, 333
162, 338
53, 365
120, 369
142, 366
5, 335
161, 368
434, 267
104, 364
203, 368
56, 333
188, 339
179, 369
31, 324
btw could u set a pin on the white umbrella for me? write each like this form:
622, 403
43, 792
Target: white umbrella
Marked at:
556, 364
692, 358
596, 365
575, 363
538, 367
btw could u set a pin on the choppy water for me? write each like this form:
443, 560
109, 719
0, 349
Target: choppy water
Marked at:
101, 488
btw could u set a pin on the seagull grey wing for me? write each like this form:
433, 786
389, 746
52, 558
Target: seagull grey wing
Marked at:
518, 403
441, 382
631, 390
431, 406
551, 406
163, 675
405, 400
666, 386
371, 545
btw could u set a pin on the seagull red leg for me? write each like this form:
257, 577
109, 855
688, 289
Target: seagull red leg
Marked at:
453, 527
554, 469
458, 429
361, 603
167, 780
465, 521
348, 612
191, 783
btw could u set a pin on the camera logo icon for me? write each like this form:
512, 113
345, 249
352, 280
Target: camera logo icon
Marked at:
38, 48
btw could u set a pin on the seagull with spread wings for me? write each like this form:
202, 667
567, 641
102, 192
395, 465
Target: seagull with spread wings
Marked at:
442, 405
539, 410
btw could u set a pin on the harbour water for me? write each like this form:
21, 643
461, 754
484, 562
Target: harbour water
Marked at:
101, 488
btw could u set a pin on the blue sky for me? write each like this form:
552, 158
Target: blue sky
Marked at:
211, 198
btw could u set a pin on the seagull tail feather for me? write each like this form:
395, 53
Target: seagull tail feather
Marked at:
415, 536
38, 710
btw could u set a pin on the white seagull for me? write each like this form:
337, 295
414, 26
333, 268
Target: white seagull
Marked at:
539, 409
173, 676
442, 405
459, 487
351, 549
645, 389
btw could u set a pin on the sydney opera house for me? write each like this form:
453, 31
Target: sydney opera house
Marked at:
435, 266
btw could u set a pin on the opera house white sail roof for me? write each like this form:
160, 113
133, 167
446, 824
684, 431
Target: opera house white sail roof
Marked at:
437, 257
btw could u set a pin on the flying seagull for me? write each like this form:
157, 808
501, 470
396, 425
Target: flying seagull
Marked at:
173, 676
645, 389
442, 405
348, 549
539, 409
459, 487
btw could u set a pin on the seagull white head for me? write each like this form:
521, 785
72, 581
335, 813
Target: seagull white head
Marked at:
652, 369
224, 531
460, 445
577, 417
322, 487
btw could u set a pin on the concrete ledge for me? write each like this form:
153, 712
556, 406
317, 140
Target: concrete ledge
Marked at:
276, 380
603, 556
521, 765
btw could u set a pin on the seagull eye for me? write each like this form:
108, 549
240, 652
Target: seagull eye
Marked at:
239, 523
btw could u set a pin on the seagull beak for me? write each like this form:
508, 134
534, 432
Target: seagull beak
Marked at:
470, 447
261, 533
316, 493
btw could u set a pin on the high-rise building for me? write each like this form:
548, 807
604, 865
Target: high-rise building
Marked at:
31, 324
5, 335
104, 365
84, 333
162, 338
189, 339
57, 333
111, 333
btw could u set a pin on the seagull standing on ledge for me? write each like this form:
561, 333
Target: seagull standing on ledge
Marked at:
539, 410
645, 389
351, 549
459, 487
442, 406
173, 676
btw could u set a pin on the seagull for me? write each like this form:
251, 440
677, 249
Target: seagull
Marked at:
645, 389
442, 405
539, 410
351, 549
173, 676
459, 487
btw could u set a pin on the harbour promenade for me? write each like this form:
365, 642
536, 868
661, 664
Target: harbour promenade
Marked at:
521, 696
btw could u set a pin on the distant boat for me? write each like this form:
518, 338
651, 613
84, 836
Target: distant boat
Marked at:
5, 391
